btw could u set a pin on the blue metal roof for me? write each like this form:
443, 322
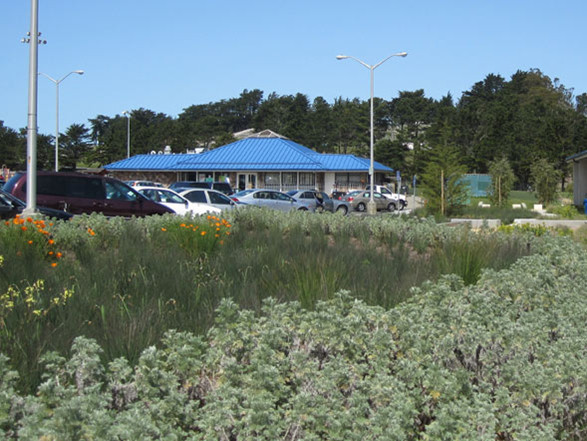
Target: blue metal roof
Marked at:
250, 154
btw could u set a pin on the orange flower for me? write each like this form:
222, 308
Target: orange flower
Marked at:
203, 233
51, 241
23, 228
29, 219
59, 255
163, 229
30, 242
54, 264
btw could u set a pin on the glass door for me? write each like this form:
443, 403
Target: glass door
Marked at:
246, 180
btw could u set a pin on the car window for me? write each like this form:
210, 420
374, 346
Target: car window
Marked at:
118, 191
151, 194
196, 196
307, 195
385, 191
222, 186
218, 198
243, 193
262, 195
167, 196
281, 197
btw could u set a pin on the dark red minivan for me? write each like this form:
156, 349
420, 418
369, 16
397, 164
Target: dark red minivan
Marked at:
79, 193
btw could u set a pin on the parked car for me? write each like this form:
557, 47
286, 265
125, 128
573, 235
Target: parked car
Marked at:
223, 187
400, 200
10, 206
79, 193
144, 184
271, 199
308, 197
175, 201
360, 198
209, 197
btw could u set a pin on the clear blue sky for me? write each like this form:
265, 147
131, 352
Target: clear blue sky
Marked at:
168, 55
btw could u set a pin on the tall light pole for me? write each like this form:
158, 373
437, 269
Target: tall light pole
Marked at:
33, 40
127, 114
371, 207
79, 72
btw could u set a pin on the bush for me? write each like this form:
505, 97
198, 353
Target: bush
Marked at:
503, 359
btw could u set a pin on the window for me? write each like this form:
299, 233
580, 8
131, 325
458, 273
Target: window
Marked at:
307, 180
272, 180
348, 180
217, 198
167, 196
289, 179
196, 196
119, 191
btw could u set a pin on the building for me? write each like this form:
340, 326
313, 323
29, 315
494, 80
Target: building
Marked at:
263, 160
579, 162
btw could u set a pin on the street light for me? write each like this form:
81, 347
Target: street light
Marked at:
371, 207
79, 72
127, 113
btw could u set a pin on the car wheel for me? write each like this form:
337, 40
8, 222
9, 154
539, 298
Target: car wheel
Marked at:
343, 209
319, 209
361, 207
302, 209
391, 207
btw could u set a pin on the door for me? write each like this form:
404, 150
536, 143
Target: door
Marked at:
246, 180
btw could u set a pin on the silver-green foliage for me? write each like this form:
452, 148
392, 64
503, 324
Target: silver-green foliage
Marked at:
503, 359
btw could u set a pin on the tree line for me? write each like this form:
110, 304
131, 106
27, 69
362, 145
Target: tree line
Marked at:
523, 119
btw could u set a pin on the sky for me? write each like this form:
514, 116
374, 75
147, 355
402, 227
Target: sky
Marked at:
168, 55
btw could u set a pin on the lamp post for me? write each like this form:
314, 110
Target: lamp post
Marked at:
127, 114
79, 72
371, 207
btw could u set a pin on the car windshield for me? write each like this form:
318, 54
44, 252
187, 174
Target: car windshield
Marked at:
244, 193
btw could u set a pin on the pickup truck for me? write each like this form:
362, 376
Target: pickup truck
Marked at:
399, 199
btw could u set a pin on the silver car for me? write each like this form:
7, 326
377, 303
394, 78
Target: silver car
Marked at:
309, 198
272, 199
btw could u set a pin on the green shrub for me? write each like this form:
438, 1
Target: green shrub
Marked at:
502, 359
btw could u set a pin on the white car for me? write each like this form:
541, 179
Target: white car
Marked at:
400, 199
176, 202
207, 196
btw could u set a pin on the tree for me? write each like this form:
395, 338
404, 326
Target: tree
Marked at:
545, 179
76, 145
12, 147
391, 153
442, 187
502, 181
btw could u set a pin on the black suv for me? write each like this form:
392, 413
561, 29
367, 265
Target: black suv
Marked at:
223, 187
